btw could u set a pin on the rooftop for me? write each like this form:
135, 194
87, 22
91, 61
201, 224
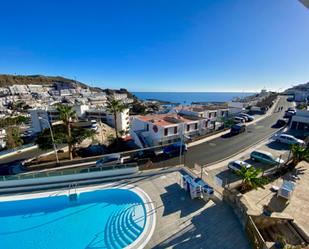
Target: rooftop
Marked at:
166, 119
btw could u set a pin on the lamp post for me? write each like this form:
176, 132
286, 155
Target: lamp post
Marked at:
181, 142
52, 137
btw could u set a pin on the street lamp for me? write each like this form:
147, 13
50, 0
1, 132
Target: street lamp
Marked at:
52, 137
181, 141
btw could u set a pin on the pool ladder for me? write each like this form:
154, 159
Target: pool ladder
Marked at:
73, 191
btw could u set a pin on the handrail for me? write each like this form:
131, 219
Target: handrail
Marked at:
74, 171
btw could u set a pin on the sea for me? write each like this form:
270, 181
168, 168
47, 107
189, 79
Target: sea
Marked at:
186, 98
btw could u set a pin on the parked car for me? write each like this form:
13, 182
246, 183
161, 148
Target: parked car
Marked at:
292, 109
144, 154
245, 115
239, 120
289, 114
238, 128
110, 160
280, 123
174, 149
289, 139
237, 165
265, 157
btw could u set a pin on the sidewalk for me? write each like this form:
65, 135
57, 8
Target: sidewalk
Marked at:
206, 139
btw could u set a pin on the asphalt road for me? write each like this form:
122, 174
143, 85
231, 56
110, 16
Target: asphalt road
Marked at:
225, 146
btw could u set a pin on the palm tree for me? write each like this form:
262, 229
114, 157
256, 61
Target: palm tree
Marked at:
115, 106
67, 115
250, 178
299, 153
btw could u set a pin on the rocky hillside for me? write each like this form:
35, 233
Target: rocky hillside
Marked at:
8, 80
298, 88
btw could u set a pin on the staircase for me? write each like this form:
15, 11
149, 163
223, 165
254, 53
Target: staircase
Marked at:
123, 227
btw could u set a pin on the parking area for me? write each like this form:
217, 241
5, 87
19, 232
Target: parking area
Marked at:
221, 171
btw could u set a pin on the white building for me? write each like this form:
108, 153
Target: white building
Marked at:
300, 121
236, 107
35, 88
152, 130
2, 138
214, 113
82, 111
122, 119
39, 118
18, 89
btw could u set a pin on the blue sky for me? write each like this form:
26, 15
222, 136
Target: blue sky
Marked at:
159, 45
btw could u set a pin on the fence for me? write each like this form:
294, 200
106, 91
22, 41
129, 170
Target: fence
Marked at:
4, 152
64, 172
254, 235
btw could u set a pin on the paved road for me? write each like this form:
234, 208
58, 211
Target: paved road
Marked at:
225, 146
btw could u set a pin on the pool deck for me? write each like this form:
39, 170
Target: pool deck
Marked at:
185, 223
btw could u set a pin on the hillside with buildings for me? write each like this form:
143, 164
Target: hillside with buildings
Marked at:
10, 80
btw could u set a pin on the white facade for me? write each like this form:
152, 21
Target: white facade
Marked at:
122, 119
82, 111
18, 89
161, 129
2, 138
300, 121
38, 124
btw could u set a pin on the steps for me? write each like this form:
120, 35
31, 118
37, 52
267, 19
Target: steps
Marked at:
121, 228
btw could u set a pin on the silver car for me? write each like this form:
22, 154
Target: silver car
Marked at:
237, 165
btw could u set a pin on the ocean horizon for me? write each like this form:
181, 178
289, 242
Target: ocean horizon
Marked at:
189, 97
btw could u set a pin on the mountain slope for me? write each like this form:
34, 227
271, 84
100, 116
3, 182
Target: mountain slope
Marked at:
8, 80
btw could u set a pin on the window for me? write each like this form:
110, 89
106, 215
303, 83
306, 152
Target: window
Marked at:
165, 131
175, 130
195, 126
188, 127
215, 114
209, 115
147, 127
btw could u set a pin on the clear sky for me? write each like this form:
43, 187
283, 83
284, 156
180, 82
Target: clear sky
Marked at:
159, 45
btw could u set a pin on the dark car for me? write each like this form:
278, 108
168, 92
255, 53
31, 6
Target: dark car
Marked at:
144, 154
280, 123
174, 149
238, 128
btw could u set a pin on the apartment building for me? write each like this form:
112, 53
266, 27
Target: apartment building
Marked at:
40, 115
122, 118
214, 113
152, 130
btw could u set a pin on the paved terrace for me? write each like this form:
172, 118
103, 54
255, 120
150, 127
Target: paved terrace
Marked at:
296, 208
186, 223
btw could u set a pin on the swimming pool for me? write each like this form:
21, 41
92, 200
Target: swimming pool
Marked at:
98, 218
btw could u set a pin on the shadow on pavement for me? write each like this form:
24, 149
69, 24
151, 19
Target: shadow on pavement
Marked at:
277, 146
213, 228
174, 194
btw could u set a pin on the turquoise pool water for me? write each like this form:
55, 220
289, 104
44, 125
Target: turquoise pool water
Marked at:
110, 218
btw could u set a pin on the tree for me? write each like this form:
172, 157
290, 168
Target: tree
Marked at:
13, 139
67, 115
299, 153
251, 178
115, 106
44, 140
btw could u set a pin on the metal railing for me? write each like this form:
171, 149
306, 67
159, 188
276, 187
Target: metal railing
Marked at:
55, 172
4, 152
